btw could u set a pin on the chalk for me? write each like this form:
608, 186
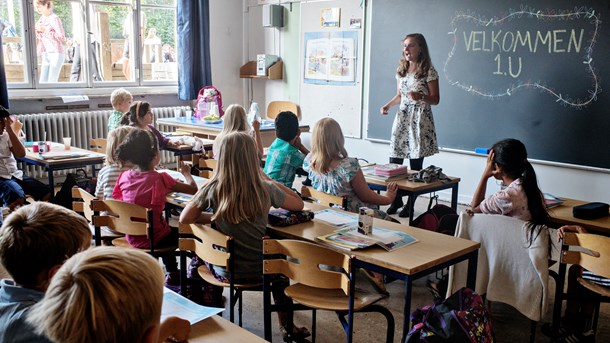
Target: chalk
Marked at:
482, 151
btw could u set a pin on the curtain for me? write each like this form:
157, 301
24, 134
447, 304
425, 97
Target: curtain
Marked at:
194, 67
3, 85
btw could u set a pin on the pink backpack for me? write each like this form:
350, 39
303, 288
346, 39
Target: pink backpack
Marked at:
207, 96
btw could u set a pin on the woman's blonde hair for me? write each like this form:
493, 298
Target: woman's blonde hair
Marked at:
104, 294
236, 188
235, 119
327, 144
115, 137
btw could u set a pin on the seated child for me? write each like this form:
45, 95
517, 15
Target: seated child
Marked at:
520, 198
241, 195
235, 119
332, 171
107, 176
286, 153
13, 184
121, 100
144, 186
107, 294
35, 240
140, 115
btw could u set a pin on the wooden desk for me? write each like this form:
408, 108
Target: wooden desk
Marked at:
562, 215
88, 158
413, 189
199, 128
432, 252
217, 329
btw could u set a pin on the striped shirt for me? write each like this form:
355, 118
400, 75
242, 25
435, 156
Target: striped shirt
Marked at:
596, 279
106, 179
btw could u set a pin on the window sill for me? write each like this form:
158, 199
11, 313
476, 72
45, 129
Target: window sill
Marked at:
28, 94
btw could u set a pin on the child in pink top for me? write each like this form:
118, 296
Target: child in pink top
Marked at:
50, 37
507, 161
146, 187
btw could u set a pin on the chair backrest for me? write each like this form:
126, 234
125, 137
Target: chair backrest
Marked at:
275, 107
323, 198
211, 245
594, 255
207, 167
122, 217
505, 241
98, 145
307, 263
84, 205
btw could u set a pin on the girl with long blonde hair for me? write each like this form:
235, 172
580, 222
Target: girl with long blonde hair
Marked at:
240, 196
236, 120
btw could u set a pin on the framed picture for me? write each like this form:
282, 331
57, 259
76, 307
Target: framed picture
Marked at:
330, 17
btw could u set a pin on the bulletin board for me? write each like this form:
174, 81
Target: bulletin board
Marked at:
331, 84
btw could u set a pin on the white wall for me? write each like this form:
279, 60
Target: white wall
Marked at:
573, 182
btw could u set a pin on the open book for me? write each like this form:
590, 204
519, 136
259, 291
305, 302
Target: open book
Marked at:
348, 238
176, 305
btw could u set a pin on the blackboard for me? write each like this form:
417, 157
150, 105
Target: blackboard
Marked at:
537, 72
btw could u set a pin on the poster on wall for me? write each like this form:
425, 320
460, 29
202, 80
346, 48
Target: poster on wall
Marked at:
331, 57
330, 17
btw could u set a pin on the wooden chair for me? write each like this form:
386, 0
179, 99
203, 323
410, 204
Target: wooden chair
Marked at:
81, 203
98, 145
215, 248
323, 198
207, 167
592, 252
275, 107
320, 279
127, 219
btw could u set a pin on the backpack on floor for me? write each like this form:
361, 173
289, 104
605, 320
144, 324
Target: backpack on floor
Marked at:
440, 218
207, 96
79, 178
462, 317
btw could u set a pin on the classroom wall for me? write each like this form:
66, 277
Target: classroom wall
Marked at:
568, 181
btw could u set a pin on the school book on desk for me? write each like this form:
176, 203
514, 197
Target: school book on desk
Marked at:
348, 238
369, 173
552, 201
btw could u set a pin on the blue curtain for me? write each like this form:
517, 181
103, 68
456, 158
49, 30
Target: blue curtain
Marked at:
194, 67
3, 86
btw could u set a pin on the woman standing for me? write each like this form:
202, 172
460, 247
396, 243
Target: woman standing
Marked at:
413, 133
50, 37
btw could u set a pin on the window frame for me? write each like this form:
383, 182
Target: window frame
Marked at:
33, 88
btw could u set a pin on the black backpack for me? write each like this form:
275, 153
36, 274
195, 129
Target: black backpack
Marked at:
79, 178
438, 218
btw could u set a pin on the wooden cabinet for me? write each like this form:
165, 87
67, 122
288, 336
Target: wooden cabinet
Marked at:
275, 72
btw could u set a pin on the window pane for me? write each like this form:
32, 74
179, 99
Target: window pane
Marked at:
111, 41
159, 2
13, 41
159, 51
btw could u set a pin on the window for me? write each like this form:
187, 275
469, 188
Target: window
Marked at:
88, 43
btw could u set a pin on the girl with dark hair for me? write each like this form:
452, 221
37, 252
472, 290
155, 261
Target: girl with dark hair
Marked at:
413, 132
140, 115
521, 198
144, 186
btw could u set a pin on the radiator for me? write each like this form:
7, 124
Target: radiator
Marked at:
81, 126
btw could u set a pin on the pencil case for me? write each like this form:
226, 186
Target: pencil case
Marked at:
281, 217
591, 210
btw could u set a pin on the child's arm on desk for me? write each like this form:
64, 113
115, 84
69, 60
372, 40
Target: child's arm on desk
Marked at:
192, 214
189, 186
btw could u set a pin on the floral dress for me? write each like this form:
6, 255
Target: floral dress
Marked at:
413, 133
338, 182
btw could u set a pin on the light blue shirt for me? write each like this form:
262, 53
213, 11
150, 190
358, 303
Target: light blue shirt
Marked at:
15, 303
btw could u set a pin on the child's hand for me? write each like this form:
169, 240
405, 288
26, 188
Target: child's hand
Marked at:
391, 191
256, 125
185, 169
174, 329
490, 166
16, 125
569, 228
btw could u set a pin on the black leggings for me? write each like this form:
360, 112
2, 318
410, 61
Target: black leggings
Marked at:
414, 163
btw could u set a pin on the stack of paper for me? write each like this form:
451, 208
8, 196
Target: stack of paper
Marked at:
552, 201
390, 169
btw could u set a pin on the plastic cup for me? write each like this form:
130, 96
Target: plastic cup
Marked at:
177, 113
189, 115
67, 143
